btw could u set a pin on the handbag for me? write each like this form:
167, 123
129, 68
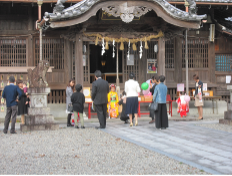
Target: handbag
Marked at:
70, 107
153, 106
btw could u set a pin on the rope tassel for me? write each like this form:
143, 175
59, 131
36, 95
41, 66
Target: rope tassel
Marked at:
107, 45
146, 45
122, 45
134, 47
96, 41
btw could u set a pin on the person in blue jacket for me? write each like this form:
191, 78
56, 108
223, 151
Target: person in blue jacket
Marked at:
159, 96
10, 93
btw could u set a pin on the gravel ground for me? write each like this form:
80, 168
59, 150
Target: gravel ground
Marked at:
89, 151
216, 126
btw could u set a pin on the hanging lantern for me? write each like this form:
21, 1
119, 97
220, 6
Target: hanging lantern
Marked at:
128, 53
103, 62
141, 50
103, 47
113, 48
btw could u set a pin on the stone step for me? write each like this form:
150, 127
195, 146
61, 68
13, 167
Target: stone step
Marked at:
38, 119
48, 126
228, 115
37, 110
225, 121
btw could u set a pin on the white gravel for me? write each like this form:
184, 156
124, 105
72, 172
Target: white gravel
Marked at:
89, 151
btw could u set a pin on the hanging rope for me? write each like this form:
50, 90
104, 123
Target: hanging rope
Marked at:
122, 40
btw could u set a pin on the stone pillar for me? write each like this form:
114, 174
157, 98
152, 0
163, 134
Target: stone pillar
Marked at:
228, 114
79, 72
39, 117
161, 56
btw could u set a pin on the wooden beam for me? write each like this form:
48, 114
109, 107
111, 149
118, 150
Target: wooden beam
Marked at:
79, 72
67, 59
18, 69
35, 1
161, 56
30, 58
178, 59
211, 59
202, 3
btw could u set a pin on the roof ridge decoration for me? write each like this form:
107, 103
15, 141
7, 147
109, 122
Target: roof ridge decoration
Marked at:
83, 6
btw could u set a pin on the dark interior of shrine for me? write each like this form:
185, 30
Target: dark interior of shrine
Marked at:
105, 63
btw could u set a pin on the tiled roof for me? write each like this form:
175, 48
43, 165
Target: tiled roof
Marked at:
82, 7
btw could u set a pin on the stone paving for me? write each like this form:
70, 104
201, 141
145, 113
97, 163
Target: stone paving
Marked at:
204, 148
192, 143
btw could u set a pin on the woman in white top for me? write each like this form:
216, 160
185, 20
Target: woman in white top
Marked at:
132, 89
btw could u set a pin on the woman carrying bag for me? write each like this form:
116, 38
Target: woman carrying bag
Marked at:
198, 96
159, 97
69, 92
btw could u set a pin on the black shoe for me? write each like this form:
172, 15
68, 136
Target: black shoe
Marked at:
13, 132
77, 127
82, 127
163, 128
4, 132
126, 122
100, 128
69, 125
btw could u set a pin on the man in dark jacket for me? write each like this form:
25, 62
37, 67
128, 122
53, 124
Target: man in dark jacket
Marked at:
10, 93
100, 89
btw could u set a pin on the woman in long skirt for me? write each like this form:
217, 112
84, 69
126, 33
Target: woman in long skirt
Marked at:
132, 89
69, 92
159, 96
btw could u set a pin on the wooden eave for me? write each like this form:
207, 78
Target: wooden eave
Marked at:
76, 1
157, 8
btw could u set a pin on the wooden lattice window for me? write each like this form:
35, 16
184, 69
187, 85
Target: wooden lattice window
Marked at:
223, 62
53, 51
169, 54
13, 52
131, 68
197, 53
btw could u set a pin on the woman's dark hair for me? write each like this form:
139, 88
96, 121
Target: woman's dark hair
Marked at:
155, 78
19, 81
162, 78
71, 80
131, 76
123, 93
196, 77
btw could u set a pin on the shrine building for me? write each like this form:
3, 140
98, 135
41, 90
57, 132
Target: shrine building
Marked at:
146, 37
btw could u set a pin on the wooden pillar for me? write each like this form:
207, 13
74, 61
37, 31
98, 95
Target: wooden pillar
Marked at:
211, 59
29, 54
30, 19
178, 59
68, 59
79, 72
161, 56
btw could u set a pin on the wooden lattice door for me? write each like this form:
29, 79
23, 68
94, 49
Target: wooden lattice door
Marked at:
127, 69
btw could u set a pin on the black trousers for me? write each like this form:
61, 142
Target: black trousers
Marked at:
161, 120
11, 112
69, 119
153, 114
101, 114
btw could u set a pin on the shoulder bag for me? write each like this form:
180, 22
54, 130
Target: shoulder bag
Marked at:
70, 107
153, 106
